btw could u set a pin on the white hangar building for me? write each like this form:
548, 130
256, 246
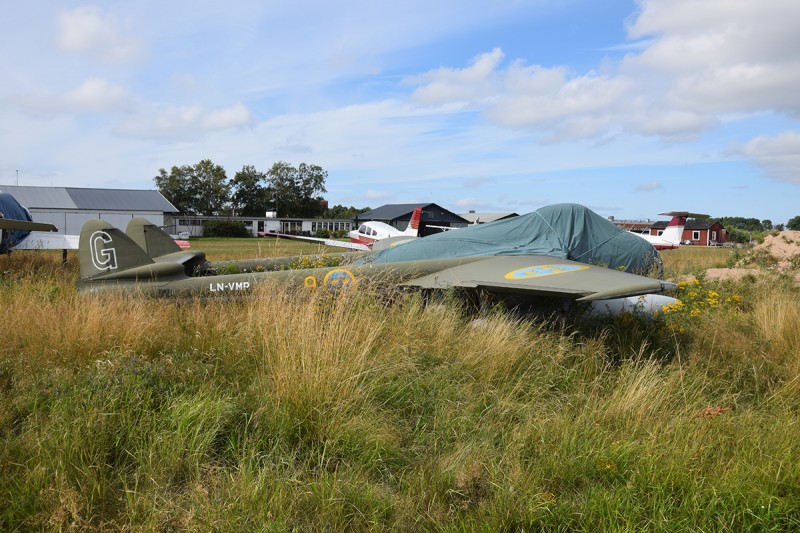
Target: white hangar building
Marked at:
68, 208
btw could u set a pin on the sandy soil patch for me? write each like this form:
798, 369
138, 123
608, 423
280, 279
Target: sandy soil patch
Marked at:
784, 247
734, 274
781, 252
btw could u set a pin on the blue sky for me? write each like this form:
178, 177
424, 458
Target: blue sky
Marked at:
628, 107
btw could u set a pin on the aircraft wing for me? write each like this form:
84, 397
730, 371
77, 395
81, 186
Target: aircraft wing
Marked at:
24, 225
326, 242
541, 275
48, 241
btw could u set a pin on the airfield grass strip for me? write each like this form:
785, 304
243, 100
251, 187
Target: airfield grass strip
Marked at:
367, 411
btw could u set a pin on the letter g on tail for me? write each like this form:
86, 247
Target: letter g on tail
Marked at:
102, 258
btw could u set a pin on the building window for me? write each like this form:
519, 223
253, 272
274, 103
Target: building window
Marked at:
695, 235
291, 227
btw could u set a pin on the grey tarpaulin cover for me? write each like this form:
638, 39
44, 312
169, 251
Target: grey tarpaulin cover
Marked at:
568, 231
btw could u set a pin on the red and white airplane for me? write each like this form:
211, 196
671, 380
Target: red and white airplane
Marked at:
672, 236
370, 236
370, 232
181, 239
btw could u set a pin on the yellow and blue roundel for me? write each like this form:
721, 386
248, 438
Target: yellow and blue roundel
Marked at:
538, 271
338, 278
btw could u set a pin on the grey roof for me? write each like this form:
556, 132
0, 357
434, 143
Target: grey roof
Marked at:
395, 212
40, 197
692, 223
390, 212
90, 199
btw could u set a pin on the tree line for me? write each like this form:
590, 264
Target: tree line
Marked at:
743, 230
755, 225
204, 189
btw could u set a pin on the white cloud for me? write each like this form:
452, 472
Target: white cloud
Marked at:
535, 96
97, 95
649, 186
721, 56
86, 30
559, 104
181, 122
448, 84
779, 156
230, 117
674, 124
693, 66
92, 96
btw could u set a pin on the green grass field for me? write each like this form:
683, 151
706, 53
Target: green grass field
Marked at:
304, 411
224, 249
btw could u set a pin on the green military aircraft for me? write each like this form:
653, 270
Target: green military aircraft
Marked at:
111, 260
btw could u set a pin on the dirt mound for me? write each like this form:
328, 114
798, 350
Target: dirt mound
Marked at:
779, 253
783, 248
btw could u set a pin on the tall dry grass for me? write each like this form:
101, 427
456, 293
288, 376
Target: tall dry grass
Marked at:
776, 318
695, 259
303, 410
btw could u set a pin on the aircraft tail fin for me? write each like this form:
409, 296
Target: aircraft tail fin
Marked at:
151, 238
413, 224
105, 251
674, 231
161, 247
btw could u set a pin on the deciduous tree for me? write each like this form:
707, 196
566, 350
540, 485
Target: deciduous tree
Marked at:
210, 188
297, 190
176, 188
201, 189
250, 196
340, 211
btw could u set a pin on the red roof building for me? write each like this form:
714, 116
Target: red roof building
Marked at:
706, 232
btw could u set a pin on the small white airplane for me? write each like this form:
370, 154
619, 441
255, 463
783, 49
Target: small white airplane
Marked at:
673, 235
18, 231
370, 236
370, 232
181, 239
